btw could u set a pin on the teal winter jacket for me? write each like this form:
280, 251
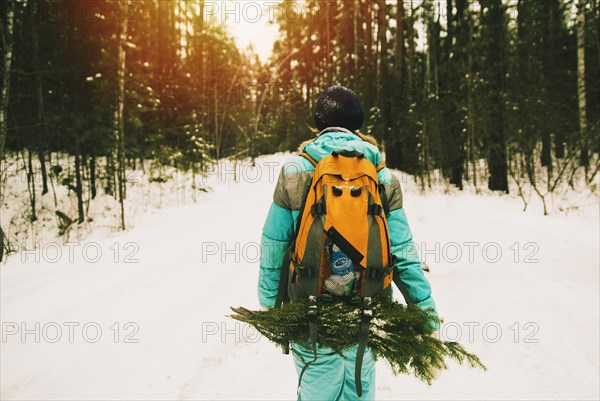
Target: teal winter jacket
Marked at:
279, 227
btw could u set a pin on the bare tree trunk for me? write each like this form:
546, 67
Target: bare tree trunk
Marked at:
52, 180
216, 117
7, 46
516, 172
2, 245
585, 159
471, 116
411, 51
93, 176
355, 30
31, 186
328, 65
550, 35
382, 97
201, 60
382, 39
110, 173
85, 178
44, 171
399, 44
530, 168
498, 179
79, 185
39, 96
119, 117
368, 11
428, 89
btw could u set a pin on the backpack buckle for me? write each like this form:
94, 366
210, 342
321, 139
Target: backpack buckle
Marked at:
368, 307
375, 209
312, 306
318, 208
304, 271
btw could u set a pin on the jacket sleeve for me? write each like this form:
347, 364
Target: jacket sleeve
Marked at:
408, 274
276, 235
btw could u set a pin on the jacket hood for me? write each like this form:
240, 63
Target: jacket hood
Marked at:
340, 139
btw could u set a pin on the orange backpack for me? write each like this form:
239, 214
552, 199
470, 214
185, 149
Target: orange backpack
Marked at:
341, 244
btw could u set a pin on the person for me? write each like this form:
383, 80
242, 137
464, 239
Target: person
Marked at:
338, 116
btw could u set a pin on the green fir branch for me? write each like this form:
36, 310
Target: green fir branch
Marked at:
399, 334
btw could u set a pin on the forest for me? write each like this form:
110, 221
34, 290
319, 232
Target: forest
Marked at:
492, 94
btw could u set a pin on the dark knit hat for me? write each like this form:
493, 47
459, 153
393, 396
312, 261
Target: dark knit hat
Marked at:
339, 106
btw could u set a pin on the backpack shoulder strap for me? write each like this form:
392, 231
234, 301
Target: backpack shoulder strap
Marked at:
385, 202
384, 199
373, 142
309, 158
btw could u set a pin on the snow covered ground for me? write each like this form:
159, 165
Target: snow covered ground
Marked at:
142, 314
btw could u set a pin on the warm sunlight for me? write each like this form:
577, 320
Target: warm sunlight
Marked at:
253, 24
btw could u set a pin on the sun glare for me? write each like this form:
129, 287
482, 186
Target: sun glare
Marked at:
252, 24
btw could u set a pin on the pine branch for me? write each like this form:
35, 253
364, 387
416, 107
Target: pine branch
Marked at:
399, 334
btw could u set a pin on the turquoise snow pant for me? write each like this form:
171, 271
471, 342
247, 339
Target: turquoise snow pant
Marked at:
331, 377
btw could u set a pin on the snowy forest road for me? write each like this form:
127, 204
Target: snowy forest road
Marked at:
142, 314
